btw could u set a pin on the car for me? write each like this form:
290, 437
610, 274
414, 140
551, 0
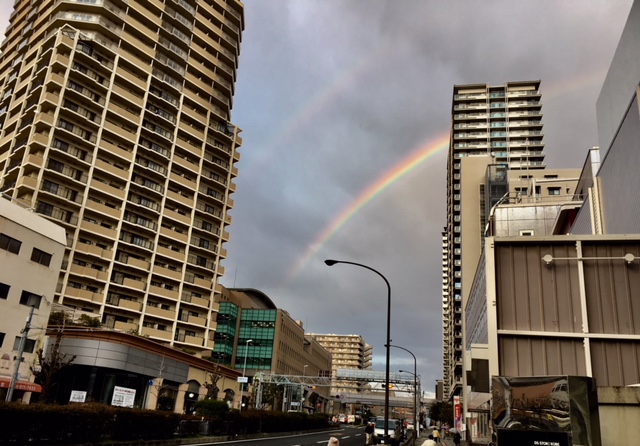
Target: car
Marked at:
392, 436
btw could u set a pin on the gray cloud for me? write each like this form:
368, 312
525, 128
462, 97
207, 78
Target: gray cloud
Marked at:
333, 94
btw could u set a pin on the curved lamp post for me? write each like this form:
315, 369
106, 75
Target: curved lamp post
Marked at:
415, 385
416, 424
330, 262
244, 369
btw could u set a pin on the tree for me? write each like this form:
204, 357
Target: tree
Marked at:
47, 368
211, 382
272, 395
441, 411
88, 321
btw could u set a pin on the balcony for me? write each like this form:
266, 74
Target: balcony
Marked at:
193, 300
164, 293
125, 326
94, 250
89, 272
83, 294
155, 333
108, 189
189, 184
159, 312
172, 254
166, 272
182, 218
98, 229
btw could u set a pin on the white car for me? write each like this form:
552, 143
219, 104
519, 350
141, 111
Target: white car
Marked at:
392, 436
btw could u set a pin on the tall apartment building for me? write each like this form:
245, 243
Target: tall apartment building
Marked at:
115, 124
491, 125
347, 352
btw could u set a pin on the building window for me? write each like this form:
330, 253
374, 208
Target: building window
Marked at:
4, 290
1, 339
41, 257
10, 244
526, 232
554, 191
30, 299
29, 345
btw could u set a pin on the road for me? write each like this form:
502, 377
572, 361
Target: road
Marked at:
348, 436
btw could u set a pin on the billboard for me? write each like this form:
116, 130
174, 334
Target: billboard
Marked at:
544, 406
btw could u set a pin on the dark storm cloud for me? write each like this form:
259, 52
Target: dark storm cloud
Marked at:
332, 94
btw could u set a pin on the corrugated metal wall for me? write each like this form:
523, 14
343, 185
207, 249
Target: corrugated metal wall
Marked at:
539, 313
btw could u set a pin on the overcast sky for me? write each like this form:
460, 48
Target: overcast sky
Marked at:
345, 110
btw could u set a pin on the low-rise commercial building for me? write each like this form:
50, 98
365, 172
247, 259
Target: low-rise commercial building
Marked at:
31, 251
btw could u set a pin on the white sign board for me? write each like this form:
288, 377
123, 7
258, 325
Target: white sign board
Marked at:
78, 396
123, 396
243, 379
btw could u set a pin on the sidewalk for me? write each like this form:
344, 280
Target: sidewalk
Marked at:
424, 434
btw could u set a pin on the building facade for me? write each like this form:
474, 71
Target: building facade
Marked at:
348, 352
254, 336
491, 125
128, 370
31, 252
115, 124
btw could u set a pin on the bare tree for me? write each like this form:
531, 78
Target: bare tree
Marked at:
211, 382
47, 368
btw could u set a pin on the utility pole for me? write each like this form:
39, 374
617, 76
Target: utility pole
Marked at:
16, 370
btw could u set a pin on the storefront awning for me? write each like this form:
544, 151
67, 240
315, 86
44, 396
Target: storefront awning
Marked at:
20, 385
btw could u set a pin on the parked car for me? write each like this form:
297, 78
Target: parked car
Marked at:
392, 436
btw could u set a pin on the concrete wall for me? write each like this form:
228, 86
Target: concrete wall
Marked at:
619, 409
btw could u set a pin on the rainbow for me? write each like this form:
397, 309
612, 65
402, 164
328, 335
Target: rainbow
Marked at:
419, 156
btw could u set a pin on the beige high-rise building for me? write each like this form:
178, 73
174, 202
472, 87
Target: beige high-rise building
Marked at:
491, 125
347, 352
115, 123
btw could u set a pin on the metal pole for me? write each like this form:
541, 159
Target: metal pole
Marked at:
415, 387
244, 369
330, 262
16, 370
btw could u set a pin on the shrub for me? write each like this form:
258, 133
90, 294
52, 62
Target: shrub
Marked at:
212, 408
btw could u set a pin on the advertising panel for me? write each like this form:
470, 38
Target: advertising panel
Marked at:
532, 407
123, 397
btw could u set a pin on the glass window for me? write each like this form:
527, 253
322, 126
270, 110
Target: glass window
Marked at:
29, 345
41, 257
4, 290
30, 299
10, 244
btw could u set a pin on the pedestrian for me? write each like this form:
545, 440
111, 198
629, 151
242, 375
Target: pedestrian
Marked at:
368, 431
429, 441
457, 438
333, 441
436, 435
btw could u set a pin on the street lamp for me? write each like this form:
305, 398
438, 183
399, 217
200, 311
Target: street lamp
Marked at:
415, 400
244, 368
304, 373
415, 386
388, 343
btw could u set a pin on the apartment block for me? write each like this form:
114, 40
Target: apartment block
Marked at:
347, 352
491, 125
115, 124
